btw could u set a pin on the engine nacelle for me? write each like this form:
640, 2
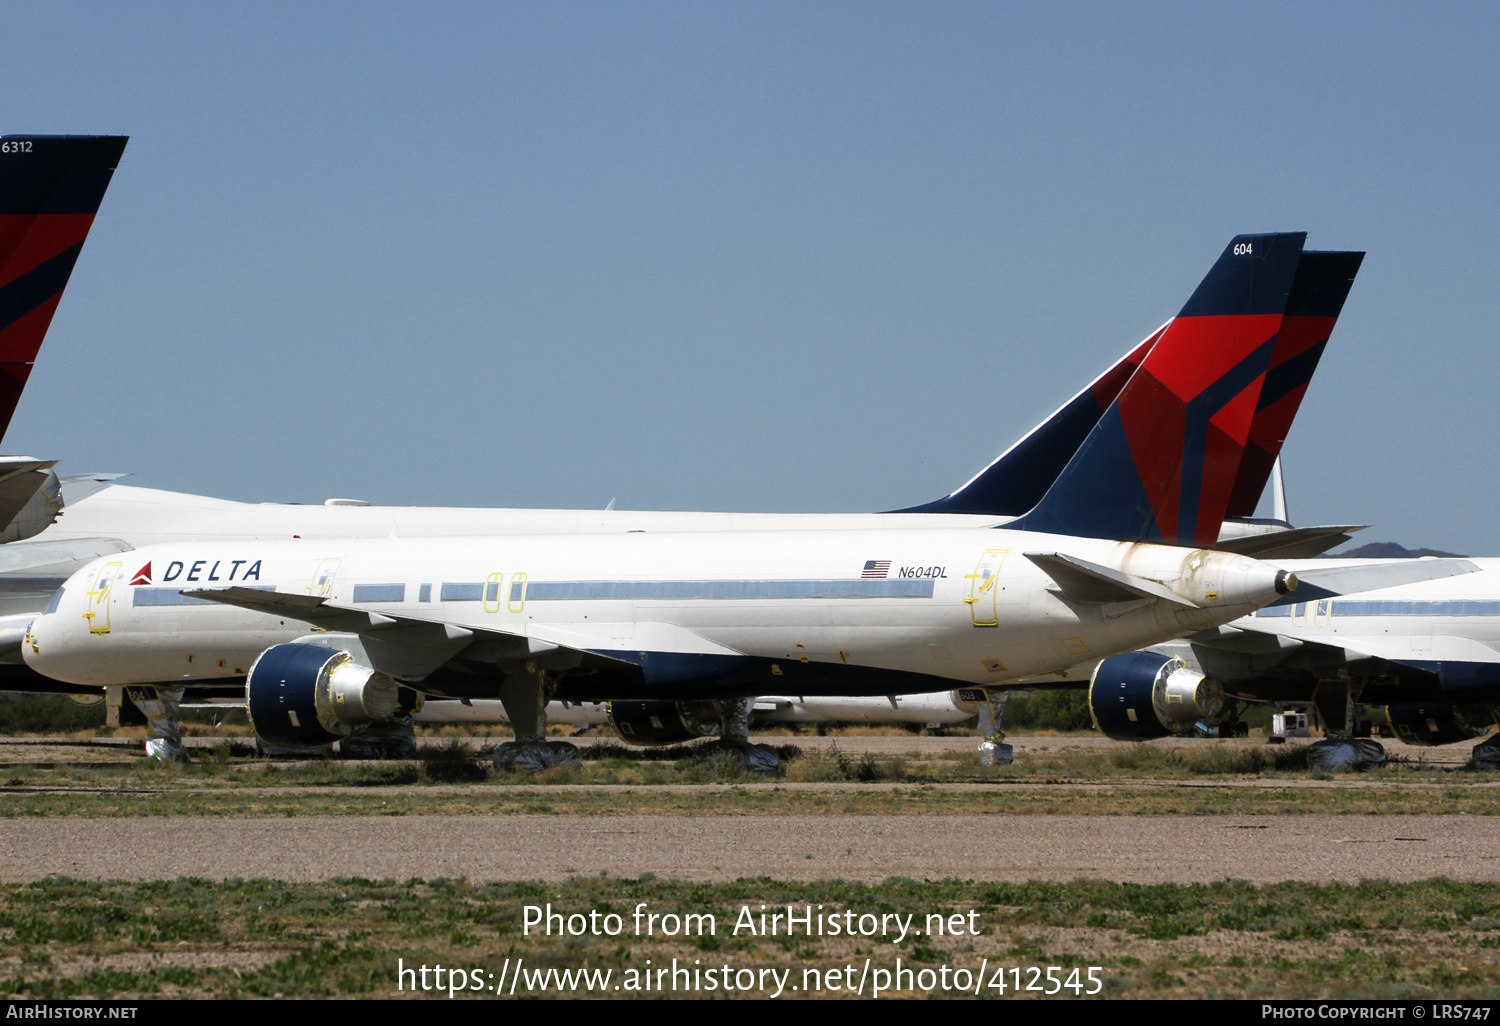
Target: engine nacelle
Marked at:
664, 723
1142, 695
30, 500
305, 695
1439, 724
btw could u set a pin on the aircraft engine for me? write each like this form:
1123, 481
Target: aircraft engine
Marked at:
1142, 695
1439, 724
663, 723
307, 695
30, 500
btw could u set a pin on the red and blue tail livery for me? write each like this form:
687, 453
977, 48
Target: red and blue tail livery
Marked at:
50, 190
1318, 292
1161, 463
1016, 481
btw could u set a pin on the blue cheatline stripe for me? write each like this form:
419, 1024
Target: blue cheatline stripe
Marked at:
173, 597
1395, 607
1436, 607
544, 591
380, 593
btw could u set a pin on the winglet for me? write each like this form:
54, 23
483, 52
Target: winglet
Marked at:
1161, 462
50, 189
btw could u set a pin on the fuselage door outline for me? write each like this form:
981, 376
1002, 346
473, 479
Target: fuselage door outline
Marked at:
984, 588
98, 615
323, 577
493, 600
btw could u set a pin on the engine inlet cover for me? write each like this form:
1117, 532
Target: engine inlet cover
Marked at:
1142, 695
305, 695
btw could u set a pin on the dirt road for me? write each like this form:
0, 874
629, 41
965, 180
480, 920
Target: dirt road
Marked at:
871, 848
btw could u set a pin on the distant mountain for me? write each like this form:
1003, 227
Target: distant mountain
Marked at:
1390, 550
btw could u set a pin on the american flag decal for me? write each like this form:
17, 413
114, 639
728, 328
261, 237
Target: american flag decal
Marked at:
876, 568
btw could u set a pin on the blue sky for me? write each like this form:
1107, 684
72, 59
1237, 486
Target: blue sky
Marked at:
803, 257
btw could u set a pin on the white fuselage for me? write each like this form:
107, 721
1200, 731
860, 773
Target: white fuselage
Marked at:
1454, 618
963, 605
150, 516
937, 707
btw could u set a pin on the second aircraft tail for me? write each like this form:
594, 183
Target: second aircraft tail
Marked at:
50, 190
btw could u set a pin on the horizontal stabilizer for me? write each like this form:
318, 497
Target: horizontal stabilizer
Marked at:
70, 478
10, 466
1293, 543
77, 487
1082, 581
1324, 582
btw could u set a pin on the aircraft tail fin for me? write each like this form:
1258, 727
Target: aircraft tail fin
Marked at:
1161, 462
50, 189
1318, 292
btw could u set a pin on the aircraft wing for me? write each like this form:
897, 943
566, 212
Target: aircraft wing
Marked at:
319, 612
395, 636
1346, 650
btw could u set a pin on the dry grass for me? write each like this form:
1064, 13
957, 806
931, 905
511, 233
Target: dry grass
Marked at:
96, 778
62, 938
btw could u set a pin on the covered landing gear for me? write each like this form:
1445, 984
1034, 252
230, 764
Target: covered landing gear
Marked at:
993, 751
1343, 749
730, 719
163, 732
525, 697
1231, 725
